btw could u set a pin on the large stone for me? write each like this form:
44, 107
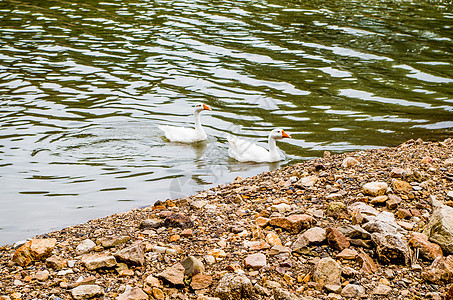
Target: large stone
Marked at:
381, 290
440, 227
113, 241
173, 274
133, 294
336, 239
306, 182
234, 287
255, 261
393, 202
353, 291
354, 232
34, 250
363, 208
152, 281
273, 239
391, 248
401, 186
368, 265
350, 254
376, 188
151, 223
300, 243
178, 220
315, 235
192, 266
200, 281
336, 210
133, 255
426, 249
349, 162
440, 271
397, 172
327, 271
98, 260
85, 246
293, 223
86, 291
384, 222
56, 262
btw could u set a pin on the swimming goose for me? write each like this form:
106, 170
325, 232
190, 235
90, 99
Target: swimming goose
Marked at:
246, 151
187, 135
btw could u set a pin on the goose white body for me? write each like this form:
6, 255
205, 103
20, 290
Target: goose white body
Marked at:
246, 151
182, 135
187, 135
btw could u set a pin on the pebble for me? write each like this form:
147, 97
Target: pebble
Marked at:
86, 291
173, 274
255, 261
327, 271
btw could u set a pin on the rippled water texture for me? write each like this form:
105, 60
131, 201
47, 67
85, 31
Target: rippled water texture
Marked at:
84, 84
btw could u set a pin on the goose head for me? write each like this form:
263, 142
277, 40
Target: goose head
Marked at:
200, 107
278, 134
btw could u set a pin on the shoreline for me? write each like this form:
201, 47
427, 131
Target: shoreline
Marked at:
345, 226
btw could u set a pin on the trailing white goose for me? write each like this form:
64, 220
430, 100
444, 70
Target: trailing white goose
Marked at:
246, 151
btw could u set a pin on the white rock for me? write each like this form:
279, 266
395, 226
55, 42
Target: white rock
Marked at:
376, 188
85, 246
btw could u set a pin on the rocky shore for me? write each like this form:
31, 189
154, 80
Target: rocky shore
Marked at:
374, 224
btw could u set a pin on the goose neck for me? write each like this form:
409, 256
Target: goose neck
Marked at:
198, 126
272, 146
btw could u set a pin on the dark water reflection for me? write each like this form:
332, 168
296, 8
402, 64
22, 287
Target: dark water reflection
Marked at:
83, 86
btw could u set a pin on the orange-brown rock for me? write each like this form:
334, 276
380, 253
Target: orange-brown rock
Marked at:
368, 265
336, 239
427, 249
34, 250
293, 223
401, 186
200, 281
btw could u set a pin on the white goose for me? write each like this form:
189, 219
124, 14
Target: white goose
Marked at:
246, 151
187, 135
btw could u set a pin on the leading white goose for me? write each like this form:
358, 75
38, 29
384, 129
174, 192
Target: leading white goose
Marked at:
187, 135
246, 151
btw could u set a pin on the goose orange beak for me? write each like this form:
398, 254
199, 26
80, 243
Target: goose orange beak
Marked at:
285, 135
205, 107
